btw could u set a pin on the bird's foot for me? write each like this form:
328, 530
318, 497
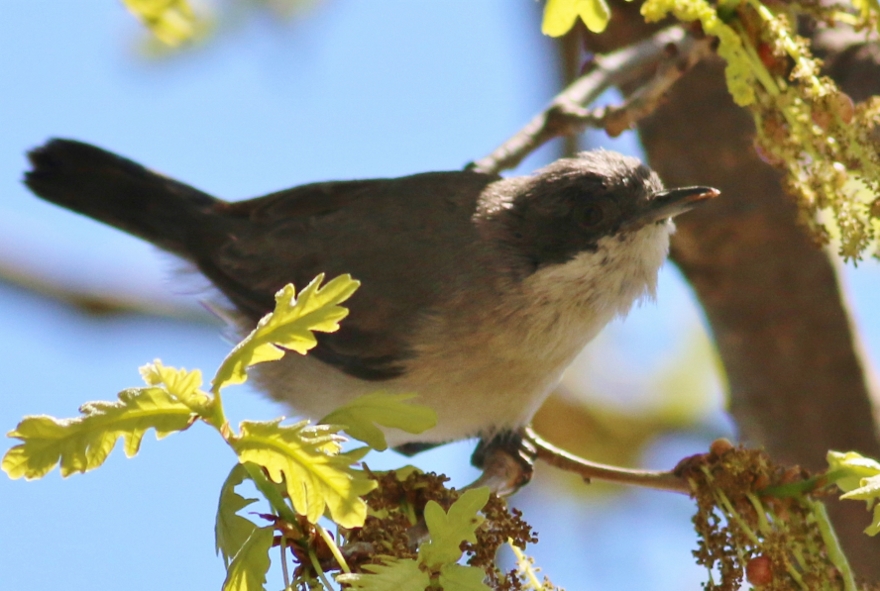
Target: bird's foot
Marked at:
507, 461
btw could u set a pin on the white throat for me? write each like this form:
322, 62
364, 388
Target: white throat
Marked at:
622, 270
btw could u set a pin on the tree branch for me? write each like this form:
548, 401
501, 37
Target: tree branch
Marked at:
670, 53
549, 453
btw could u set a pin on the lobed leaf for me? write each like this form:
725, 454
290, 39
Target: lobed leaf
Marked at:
308, 462
232, 531
289, 327
449, 529
249, 567
83, 443
359, 417
397, 574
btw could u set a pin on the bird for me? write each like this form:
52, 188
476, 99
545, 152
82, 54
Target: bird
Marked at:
477, 290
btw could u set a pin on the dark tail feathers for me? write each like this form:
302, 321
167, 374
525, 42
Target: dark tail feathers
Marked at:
119, 192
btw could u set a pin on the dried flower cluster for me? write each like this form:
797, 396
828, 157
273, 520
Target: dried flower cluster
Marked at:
774, 540
394, 526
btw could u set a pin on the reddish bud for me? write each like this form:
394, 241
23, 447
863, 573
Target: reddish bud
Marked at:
759, 571
838, 104
720, 446
843, 103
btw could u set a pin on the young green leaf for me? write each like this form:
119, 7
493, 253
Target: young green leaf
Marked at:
83, 443
868, 491
396, 574
850, 468
290, 326
232, 531
306, 459
859, 478
449, 530
455, 577
249, 567
181, 384
358, 418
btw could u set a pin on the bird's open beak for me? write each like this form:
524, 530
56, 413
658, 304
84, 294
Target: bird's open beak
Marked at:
673, 202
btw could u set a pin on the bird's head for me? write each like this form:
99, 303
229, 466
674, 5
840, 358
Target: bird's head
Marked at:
570, 206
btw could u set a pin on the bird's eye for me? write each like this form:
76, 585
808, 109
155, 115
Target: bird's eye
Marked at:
590, 215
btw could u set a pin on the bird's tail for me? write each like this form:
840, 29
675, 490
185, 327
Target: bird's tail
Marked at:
119, 192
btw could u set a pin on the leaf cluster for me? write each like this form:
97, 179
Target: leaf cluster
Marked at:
437, 561
300, 468
416, 529
420, 531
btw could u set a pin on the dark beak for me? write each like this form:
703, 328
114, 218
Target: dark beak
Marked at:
673, 202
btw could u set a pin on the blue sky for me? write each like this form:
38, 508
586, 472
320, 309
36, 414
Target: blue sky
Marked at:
357, 89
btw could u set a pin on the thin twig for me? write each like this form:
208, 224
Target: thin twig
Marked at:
671, 52
554, 456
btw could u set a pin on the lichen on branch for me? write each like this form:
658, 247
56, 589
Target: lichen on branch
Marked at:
806, 126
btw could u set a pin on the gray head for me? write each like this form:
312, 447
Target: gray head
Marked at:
569, 206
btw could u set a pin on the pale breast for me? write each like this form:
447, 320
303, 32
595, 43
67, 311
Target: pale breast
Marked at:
487, 371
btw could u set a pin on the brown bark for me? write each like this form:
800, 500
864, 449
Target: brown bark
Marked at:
797, 384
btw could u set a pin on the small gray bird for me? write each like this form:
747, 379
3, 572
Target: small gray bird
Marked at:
477, 291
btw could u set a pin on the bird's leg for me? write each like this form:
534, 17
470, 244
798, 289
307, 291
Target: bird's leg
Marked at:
507, 461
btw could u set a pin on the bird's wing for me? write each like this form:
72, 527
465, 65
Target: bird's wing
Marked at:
408, 241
